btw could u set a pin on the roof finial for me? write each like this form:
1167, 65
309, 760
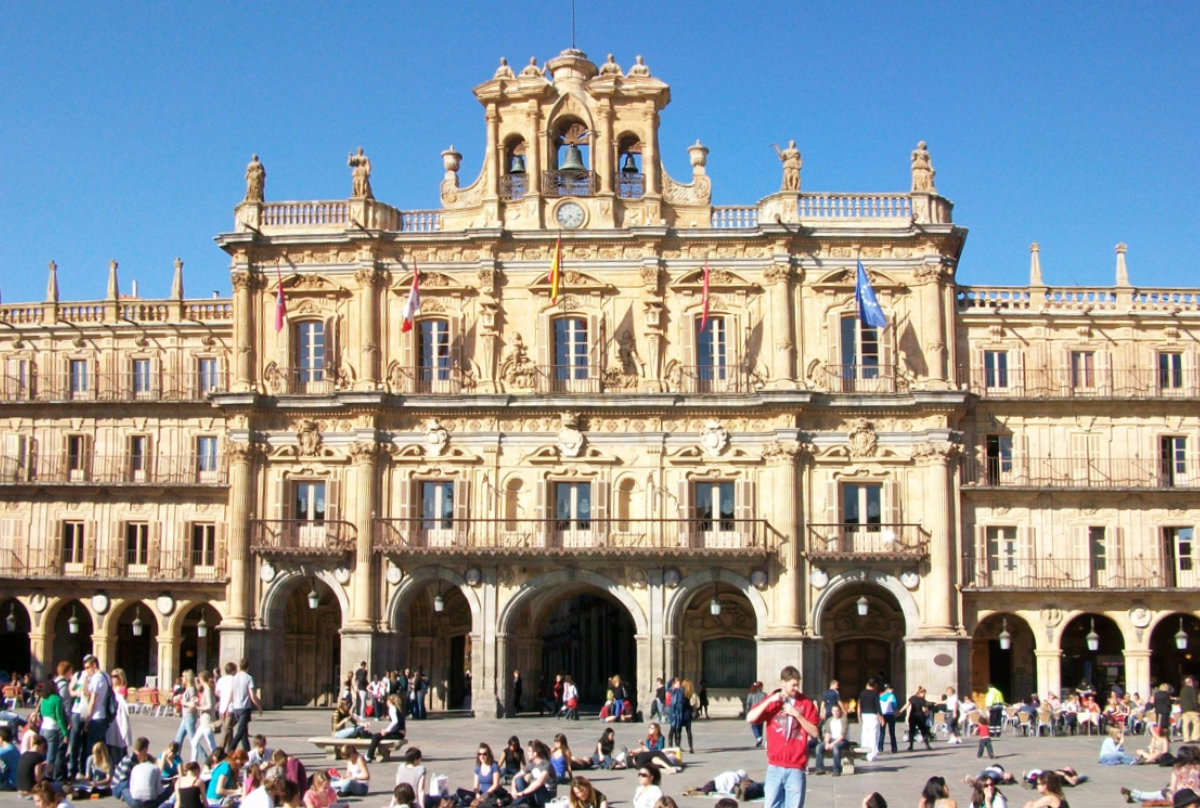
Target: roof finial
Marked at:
1122, 270
1035, 265
177, 284
113, 288
52, 284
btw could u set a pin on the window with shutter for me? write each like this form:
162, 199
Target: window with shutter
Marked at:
570, 372
434, 371
463, 527
716, 513
437, 508
1173, 461
1003, 557
746, 510
600, 514
1181, 550
573, 514
310, 356
1098, 555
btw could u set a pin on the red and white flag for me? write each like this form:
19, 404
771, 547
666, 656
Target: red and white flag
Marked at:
413, 305
704, 311
280, 302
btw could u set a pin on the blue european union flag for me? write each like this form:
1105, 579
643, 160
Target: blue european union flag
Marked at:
869, 311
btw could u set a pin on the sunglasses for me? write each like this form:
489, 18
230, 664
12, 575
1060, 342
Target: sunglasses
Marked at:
643, 774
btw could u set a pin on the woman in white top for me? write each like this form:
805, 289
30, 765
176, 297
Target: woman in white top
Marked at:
357, 781
206, 704
187, 704
952, 716
648, 792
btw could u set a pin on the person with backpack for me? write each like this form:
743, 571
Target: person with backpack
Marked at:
100, 702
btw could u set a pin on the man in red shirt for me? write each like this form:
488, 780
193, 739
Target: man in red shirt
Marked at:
791, 719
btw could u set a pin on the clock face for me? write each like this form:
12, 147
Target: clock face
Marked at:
569, 215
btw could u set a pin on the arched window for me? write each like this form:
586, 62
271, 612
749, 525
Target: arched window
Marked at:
631, 182
514, 183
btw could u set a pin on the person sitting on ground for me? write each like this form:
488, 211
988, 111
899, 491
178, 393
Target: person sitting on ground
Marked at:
223, 782
9, 757
872, 800
513, 761
603, 758
146, 788
1185, 774
403, 797
32, 767
535, 786
97, 772
985, 794
1186, 798
584, 795
723, 783
649, 790
560, 759
487, 776
259, 753
412, 772
650, 752
169, 761
189, 789
44, 796
1050, 795
266, 794
289, 795
936, 794
1159, 746
320, 795
357, 781
1112, 751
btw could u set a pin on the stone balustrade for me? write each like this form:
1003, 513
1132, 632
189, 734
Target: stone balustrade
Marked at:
1084, 300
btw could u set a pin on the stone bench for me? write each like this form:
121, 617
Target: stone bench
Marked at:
332, 746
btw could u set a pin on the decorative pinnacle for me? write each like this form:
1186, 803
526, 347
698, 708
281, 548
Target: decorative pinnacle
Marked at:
1122, 269
1035, 265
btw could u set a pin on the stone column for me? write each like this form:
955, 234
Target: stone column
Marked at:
493, 157
1137, 670
168, 658
939, 592
368, 328
670, 656
934, 337
364, 456
243, 331
104, 647
650, 157
41, 651
778, 276
1049, 671
488, 335
787, 612
652, 306
602, 147
235, 626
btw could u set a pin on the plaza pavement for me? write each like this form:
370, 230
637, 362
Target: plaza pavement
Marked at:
448, 745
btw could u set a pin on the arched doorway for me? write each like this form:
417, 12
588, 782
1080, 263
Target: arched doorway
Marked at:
312, 646
591, 637
15, 653
861, 645
716, 644
72, 646
1168, 662
437, 625
196, 652
1011, 669
1100, 668
137, 644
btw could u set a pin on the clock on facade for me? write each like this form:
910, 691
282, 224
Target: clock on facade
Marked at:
569, 215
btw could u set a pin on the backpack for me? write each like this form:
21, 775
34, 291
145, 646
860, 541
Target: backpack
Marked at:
110, 701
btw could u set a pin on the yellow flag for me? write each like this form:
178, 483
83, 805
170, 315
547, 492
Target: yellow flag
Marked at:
554, 270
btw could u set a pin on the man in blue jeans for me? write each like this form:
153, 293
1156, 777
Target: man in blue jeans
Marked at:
241, 702
95, 709
790, 720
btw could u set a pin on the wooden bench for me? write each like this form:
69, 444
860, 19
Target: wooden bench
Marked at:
332, 746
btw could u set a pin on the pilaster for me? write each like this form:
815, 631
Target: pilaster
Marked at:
778, 275
243, 331
241, 566
784, 496
938, 589
1137, 670
364, 456
368, 328
1049, 670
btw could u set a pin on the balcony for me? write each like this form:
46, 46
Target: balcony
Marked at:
1082, 383
570, 183
426, 381
299, 381
1049, 572
113, 387
568, 378
857, 542
871, 379
1081, 472
18, 560
123, 469
701, 379
514, 187
631, 185
299, 537
657, 537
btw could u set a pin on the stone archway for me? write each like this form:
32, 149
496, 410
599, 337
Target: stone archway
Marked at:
135, 629
1012, 670
1168, 662
301, 663
15, 650
1101, 668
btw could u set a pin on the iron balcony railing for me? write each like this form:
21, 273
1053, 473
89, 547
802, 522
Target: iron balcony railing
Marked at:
1049, 572
124, 469
1081, 472
1083, 382
714, 379
514, 186
568, 378
112, 387
570, 183
853, 541
631, 185
572, 535
861, 378
315, 381
301, 537
432, 380
53, 560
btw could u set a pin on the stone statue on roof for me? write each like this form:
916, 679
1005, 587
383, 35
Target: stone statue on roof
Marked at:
790, 157
503, 71
361, 175
640, 68
531, 70
256, 180
610, 67
922, 170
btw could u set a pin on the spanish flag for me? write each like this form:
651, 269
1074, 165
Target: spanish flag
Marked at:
555, 270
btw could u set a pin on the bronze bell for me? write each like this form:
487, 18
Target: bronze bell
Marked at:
573, 161
518, 164
630, 167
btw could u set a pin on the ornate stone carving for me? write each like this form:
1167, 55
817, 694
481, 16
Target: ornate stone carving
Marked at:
516, 368
570, 437
436, 438
242, 452
274, 379
935, 452
503, 71
790, 157
650, 276
714, 440
531, 70
786, 451
777, 273
696, 192
569, 303
364, 451
256, 180
639, 70
242, 282
626, 366
611, 68
922, 170
863, 442
308, 438
367, 276
360, 175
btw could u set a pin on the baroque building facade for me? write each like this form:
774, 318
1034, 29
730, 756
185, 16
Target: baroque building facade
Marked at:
689, 457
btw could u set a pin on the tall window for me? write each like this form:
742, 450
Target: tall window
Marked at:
310, 501
714, 506
76, 453
1181, 548
711, 353
137, 544
433, 352
570, 349
1002, 550
995, 368
1098, 549
1173, 452
310, 350
573, 506
860, 349
204, 545
143, 385
208, 376
137, 454
998, 456
79, 377
437, 505
1083, 370
862, 506
1170, 370
72, 543
206, 453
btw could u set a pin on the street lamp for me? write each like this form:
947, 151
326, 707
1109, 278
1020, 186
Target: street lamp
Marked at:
862, 605
73, 622
714, 605
202, 627
314, 600
1005, 637
1181, 638
439, 603
1093, 639
138, 626
11, 621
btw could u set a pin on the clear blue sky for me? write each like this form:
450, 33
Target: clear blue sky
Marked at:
126, 127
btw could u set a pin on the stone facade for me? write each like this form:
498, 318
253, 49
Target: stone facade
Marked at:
688, 457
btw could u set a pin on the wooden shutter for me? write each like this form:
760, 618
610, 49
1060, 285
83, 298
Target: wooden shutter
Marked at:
736, 339
1021, 465
1028, 559
1118, 567
833, 516
53, 558
687, 348
220, 551
89, 546
686, 514
745, 508
887, 357
454, 334
405, 527
595, 335
978, 369
600, 496
1104, 371
113, 553
543, 513
980, 568
15, 454
891, 503
1016, 372
284, 498
154, 554
333, 503
462, 513
408, 357
333, 354
185, 546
